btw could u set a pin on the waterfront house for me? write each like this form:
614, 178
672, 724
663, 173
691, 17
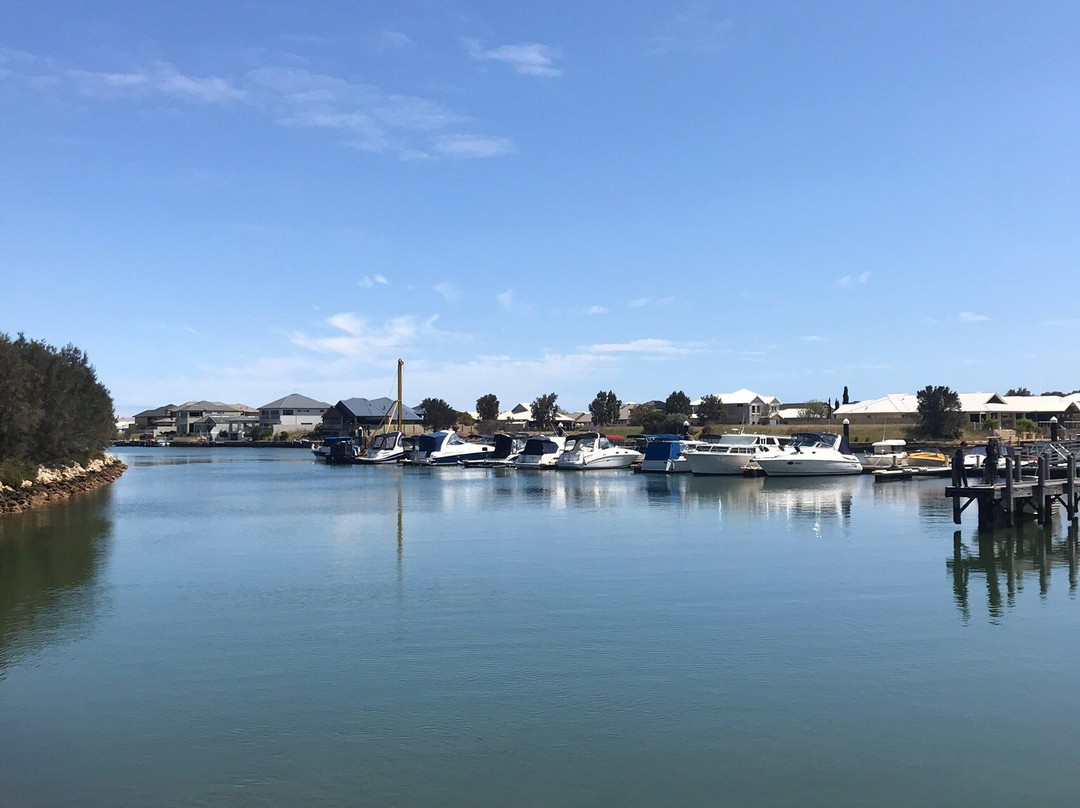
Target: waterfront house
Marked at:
351, 415
977, 408
744, 407
190, 412
220, 429
293, 413
158, 422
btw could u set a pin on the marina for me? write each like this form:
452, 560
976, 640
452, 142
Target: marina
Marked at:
250, 626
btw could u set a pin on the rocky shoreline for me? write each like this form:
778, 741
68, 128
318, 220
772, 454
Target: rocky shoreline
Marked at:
56, 484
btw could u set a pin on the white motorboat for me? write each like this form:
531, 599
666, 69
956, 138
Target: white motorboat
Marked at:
591, 450
540, 452
507, 450
447, 447
811, 454
323, 449
731, 455
886, 454
389, 447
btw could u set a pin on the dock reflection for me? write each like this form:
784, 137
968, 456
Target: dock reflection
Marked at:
1007, 560
50, 562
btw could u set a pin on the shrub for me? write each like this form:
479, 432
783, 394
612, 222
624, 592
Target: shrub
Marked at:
13, 471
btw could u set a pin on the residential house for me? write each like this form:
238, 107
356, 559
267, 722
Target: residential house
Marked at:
351, 415
744, 407
293, 413
154, 423
220, 429
190, 412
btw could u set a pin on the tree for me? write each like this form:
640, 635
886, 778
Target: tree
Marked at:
605, 408
814, 409
939, 412
1018, 391
1053, 393
487, 407
677, 402
846, 401
648, 418
710, 410
438, 414
544, 410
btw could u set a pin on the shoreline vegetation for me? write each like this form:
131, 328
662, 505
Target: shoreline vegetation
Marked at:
51, 485
56, 420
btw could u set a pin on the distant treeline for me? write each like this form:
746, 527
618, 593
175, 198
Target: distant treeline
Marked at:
53, 410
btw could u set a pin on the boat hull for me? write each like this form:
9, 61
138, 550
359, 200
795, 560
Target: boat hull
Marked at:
793, 466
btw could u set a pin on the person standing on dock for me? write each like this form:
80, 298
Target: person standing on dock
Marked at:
959, 470
993, 452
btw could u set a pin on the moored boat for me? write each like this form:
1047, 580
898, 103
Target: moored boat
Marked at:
388, 447
811, 454
730, 455
447, 447
591, 450
540, 452
885, 454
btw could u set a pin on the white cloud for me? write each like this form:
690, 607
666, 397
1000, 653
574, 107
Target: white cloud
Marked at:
395, 39
448, 291
814, 338
356, 337
506, 299
370, 282
596, 310
528, 58
852, 280
160, 79
467, 146
647, 346
641, 302
692, 30
972, 317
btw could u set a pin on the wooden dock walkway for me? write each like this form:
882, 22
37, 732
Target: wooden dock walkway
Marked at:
1016, 496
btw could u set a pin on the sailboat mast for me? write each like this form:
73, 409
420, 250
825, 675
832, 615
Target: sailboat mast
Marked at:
400, 364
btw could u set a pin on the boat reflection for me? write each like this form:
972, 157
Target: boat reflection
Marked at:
50, 563
1014, 557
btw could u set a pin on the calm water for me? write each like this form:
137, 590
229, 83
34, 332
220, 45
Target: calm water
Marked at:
244, 627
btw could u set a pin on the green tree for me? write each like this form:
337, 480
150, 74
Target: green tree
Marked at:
939, 412
605, 408
544, 410
710, 410
1018, 391
487, 407
438, 414
465, 419
814, 409
648, 418
677, 403
846, 401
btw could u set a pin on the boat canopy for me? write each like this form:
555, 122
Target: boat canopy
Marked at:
540, 446
663, 450
829, 440
506, 445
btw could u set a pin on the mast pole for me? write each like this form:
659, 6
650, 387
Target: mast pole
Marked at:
400, 363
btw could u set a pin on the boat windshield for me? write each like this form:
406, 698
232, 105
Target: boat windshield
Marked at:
806, 440
386, 441
739, 440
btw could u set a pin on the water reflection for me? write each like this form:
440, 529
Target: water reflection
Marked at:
1007, 560
50, 562
809, 498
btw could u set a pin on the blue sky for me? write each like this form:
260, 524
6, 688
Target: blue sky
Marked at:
239, 200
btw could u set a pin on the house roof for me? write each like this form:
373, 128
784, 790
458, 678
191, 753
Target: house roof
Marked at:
214, 406
295, 401
892, 404
157, 412
742, 396
376, 408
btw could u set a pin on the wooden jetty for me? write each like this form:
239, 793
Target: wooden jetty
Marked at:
1015, 496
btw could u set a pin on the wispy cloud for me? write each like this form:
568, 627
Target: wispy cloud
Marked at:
158, 79
371, 282
506, 299
648, 346
394, 40
356, 337
364, 116
695, 30
972, 317
851, 280
466, 146
814, 338
641, 302
596, 310
448, 291
528, 58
